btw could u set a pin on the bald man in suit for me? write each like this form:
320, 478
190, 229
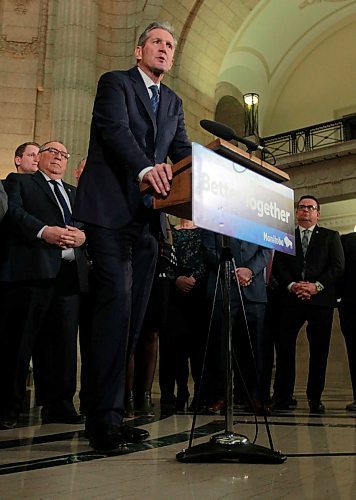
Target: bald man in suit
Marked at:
44, 268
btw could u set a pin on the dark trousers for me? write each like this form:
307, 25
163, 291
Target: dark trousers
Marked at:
319, 323
40, 319
123, 269
85, 324
184, 341
347, 315
248, 349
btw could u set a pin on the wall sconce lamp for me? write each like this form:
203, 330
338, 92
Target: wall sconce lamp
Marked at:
251, 113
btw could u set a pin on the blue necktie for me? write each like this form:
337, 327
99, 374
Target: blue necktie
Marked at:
154, 98
67, 216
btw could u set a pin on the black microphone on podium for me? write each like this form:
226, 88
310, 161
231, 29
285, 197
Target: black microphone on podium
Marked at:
228, 134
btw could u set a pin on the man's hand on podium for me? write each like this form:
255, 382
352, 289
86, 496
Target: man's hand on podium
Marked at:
159, 178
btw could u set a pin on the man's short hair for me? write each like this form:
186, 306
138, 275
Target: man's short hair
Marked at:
49, 142
311, 197
21, 149
163, 25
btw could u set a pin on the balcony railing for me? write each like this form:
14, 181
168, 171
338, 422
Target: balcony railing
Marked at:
310, 138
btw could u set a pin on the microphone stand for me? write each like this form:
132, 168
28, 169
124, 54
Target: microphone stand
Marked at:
228, 445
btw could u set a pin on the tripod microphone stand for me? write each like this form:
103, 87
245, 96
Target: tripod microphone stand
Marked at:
228, 445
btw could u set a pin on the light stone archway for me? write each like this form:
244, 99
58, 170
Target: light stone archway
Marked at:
207, 34
229, 107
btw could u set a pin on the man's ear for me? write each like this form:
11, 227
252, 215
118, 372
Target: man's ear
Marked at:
138, 53
17, 161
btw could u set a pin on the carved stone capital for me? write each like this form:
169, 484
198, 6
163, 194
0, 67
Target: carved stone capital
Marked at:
21, 6
19, 49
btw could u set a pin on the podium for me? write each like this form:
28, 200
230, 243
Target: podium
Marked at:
227, 446
179, 200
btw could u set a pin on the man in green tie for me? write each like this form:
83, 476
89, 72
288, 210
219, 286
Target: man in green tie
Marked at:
307, 282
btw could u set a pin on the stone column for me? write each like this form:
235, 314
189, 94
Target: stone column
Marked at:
74, 75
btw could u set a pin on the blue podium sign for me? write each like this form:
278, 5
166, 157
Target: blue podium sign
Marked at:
230, 199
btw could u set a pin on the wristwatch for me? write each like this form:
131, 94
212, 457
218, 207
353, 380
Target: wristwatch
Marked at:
319, 287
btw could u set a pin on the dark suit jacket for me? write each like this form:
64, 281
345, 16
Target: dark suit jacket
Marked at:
3, 201
347, 283
125, 138
245, 254
324, 262
31, 206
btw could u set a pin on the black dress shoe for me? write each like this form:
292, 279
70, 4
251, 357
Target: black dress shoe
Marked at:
280, 405
64, 417
107, 439
316, 406
132, 434
167, 405
351, 406
257, 407
8, 422
293, 402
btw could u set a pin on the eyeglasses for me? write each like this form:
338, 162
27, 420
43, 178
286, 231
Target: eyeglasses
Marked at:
310, 208
32, 155
55, 151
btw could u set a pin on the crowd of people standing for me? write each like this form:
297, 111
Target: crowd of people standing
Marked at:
98, 257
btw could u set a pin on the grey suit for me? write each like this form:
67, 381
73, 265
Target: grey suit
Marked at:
254, 299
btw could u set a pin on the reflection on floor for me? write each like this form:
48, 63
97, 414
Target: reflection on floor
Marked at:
55, 462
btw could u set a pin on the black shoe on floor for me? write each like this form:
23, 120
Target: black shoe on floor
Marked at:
133, 434
167, 405
64, 417
257, 407
316, 406
8, 422
351, 406
280, 405
108, 439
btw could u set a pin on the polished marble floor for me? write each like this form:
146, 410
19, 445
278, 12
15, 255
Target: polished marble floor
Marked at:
55, 462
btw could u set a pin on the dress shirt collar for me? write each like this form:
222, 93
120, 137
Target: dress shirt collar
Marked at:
147, 80
49, 179
302, 229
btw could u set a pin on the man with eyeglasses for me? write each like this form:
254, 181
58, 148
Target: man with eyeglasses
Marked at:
45, 269
137, 123
308, 295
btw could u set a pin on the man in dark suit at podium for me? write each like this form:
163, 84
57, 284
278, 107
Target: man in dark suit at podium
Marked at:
308, 294
347, 308
137, 122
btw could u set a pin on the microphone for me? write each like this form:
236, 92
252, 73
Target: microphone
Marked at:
228, 134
